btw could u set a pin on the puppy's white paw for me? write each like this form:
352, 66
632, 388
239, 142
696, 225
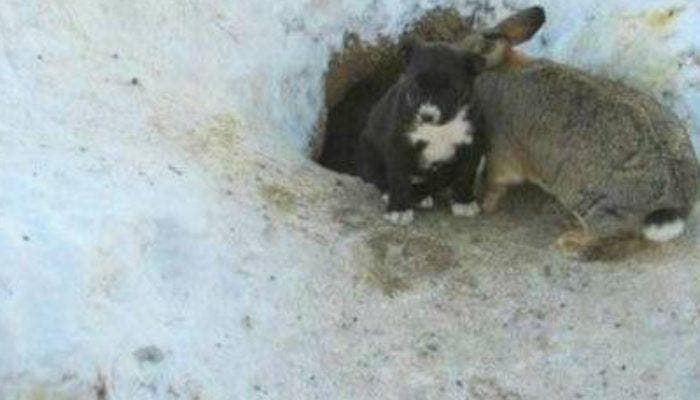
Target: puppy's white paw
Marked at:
465, 210
427, 203
385, 198
399, 217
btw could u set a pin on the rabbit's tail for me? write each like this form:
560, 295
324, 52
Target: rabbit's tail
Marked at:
664, 225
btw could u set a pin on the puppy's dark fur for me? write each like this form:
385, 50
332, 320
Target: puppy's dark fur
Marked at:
440, 75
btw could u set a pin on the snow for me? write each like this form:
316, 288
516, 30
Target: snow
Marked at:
155, 193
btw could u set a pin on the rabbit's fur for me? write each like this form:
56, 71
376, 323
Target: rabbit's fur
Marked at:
622, 163
421, 136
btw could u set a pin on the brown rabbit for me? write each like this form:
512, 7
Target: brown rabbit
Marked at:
618, 160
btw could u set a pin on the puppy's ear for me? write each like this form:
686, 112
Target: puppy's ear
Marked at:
474, 63
408, 47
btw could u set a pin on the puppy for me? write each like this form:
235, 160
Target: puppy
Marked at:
423, 136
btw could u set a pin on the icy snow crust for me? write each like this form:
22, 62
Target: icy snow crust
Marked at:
163, 235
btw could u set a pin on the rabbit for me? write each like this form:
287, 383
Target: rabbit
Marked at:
422, 136
619, 161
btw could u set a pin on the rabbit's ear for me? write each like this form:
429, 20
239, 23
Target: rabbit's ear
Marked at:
519, 27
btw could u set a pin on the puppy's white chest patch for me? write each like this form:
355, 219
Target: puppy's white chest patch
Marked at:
442, 140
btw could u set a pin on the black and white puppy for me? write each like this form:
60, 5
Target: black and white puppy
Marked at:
422, 136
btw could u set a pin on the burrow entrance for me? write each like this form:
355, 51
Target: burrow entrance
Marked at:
360, 73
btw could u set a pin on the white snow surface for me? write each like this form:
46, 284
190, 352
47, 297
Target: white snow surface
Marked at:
142, 149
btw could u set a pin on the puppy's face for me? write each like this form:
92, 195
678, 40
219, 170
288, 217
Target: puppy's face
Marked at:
442, 77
